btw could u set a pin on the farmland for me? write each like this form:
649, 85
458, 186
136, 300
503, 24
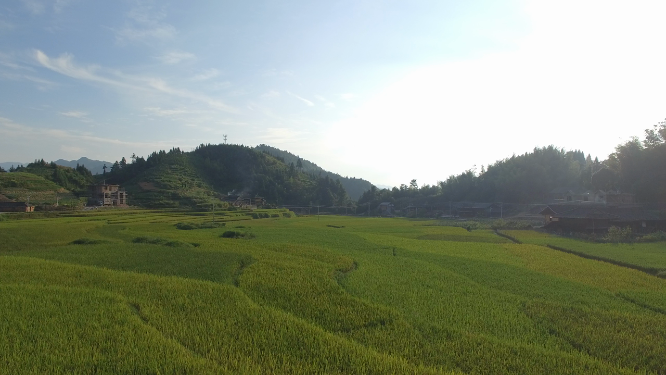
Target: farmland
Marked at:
144, 291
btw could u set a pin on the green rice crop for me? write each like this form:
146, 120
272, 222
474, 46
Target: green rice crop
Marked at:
132, 293
646, 255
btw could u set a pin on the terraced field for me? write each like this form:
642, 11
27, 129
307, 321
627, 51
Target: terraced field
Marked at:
127, 291
650, 257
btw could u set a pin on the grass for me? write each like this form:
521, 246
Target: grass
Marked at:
651, 256
130, 292
24, 186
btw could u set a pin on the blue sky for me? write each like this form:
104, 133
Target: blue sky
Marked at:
385, 90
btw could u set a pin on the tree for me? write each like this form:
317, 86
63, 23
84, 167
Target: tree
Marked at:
2, 170
104, 169
299, 164
123, 162
655, 136
413, 185
604, 179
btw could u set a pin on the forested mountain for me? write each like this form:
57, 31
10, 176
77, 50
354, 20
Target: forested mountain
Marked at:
354, 186
74, 179
635, 167
176, 178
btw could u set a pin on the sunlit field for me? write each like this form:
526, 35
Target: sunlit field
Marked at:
124, 291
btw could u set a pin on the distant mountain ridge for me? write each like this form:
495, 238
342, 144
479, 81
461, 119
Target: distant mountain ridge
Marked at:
8, 164
355, 186
94, 166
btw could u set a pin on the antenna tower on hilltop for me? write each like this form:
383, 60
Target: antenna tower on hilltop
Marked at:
225, 139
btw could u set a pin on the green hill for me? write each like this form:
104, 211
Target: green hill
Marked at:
24, 186
355, 187
207, 174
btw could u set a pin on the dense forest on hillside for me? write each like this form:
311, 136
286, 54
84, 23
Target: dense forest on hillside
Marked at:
177, 178
355, 187
635, 167
74, 179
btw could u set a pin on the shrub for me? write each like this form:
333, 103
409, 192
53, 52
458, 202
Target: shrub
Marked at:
617, 235
88, 241
254, 215
206, 225
286, 214
186, 226
275, 215
160, 241
652, 237
231, 234
237, 234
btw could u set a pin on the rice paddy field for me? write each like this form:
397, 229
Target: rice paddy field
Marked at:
129, 291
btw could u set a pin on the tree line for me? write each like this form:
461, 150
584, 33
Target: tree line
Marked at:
635, 167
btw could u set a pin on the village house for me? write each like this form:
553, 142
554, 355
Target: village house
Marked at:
16, 207
107, 195
386, 209
471, 209
244, 201
598, 218
574, 195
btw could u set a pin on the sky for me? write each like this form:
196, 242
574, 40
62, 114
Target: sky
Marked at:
388, 91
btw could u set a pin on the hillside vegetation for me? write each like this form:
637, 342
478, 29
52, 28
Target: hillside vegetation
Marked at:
173, 293
355, 187
24, 186
635, 167
207, 174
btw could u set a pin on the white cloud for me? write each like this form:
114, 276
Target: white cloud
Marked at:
206, 75
174, 113
42, 84
271, 94
75, 114
220, 85
277, 73
326, 102
13, 135
307, 102
144, 24
73, 150
348, 96
65, 65
59, 5
281, 136
34, 6
172, 58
